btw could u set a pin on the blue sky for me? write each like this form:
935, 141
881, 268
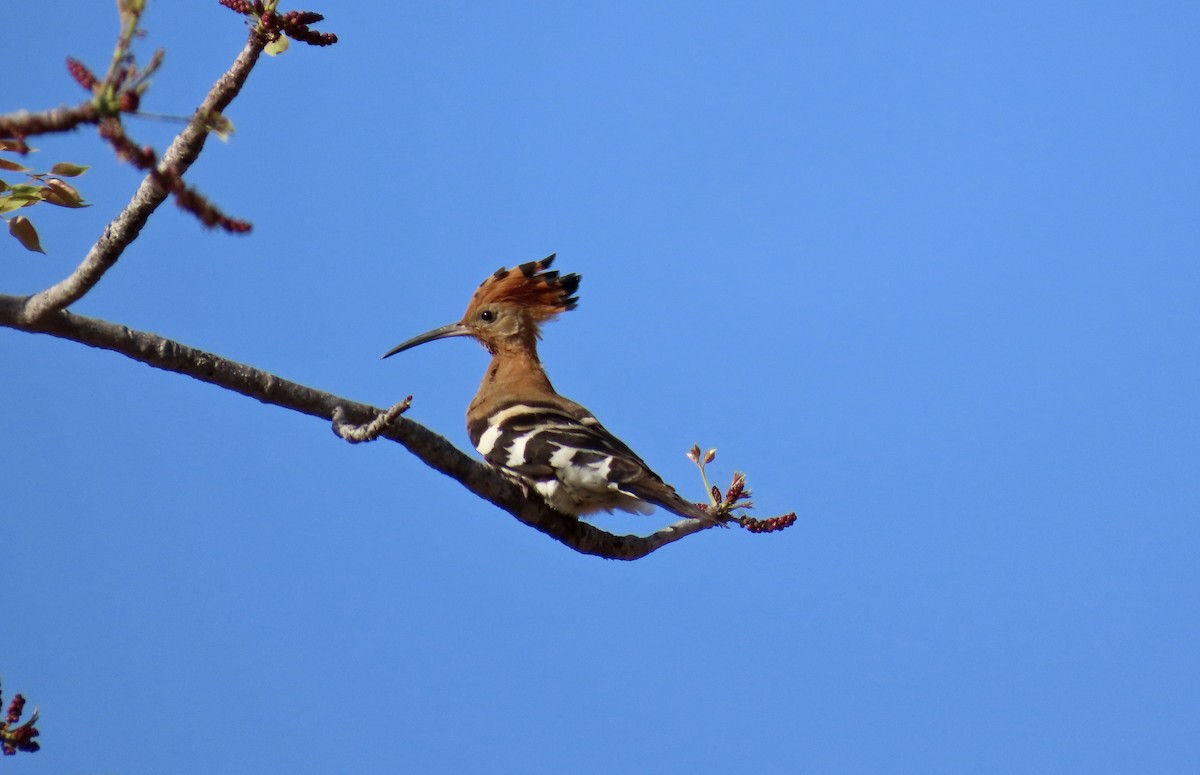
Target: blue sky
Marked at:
928, 274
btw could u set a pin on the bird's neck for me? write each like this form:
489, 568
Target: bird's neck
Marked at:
514, 373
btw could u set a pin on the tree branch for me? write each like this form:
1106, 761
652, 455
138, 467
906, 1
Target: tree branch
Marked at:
125, 228
62, 119
45, 312
432, 449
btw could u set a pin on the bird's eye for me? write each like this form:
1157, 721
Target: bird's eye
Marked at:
487, 316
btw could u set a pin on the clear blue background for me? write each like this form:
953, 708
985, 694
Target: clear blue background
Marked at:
929, 274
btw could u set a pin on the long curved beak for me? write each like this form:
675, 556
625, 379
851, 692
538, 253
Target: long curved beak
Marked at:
454, 329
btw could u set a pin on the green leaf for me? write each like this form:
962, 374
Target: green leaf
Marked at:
26, 191
68, 170
277, 46
8, 204
21, 228
5, 164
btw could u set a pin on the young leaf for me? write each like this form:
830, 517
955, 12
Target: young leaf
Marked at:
21, 228
277, 46
5, 164
68, 170
26, 191
220, 126
57, 192
9, 203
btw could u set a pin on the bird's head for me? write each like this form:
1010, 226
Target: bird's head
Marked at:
509, 308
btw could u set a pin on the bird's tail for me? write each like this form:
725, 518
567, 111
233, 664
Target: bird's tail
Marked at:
664, 495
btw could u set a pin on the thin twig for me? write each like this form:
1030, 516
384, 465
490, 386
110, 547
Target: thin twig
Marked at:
25, 123
125, 228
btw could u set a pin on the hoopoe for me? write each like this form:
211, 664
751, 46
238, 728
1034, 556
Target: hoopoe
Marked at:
523, 427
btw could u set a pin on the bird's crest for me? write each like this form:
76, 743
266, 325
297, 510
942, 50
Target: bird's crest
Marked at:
541, 293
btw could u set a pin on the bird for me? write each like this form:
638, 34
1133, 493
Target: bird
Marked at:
523, 427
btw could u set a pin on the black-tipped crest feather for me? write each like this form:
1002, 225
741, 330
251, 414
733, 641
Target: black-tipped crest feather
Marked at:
540, 292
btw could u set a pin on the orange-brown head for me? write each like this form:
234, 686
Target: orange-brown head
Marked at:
509, 307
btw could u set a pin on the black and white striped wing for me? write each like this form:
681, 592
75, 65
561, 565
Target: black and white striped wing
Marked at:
573, 461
